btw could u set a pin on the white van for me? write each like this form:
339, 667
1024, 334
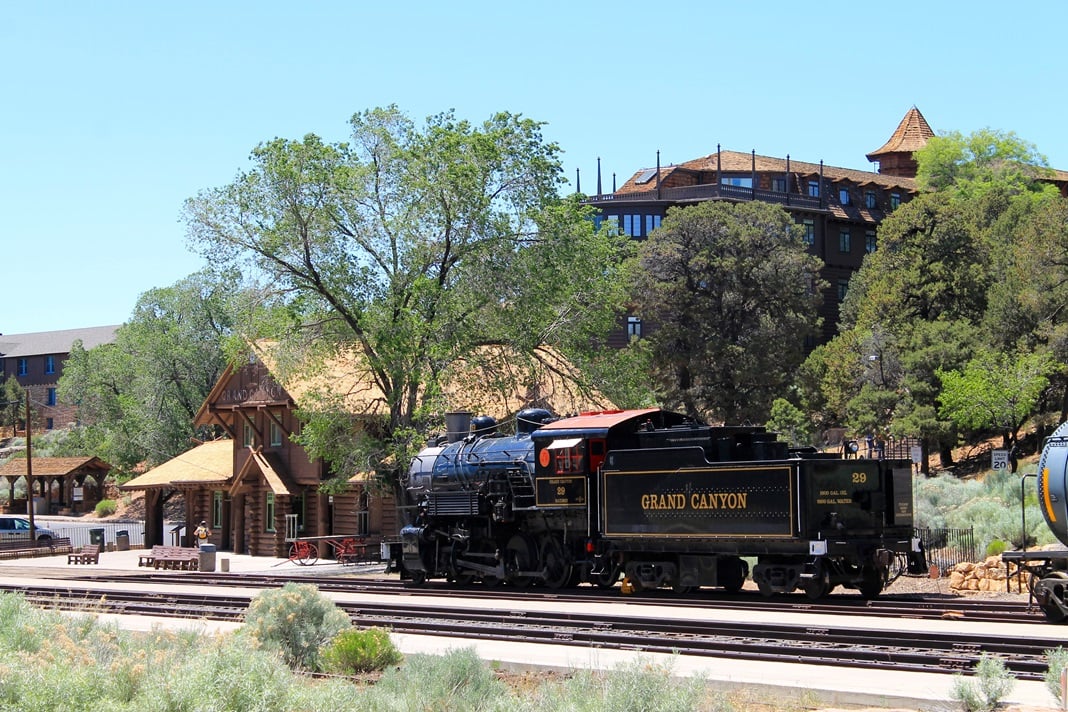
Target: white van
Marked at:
14, 528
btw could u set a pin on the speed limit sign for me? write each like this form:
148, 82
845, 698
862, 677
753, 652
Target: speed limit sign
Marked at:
999, 459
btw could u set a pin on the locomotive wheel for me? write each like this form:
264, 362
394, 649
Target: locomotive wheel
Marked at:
557, 565
820, 585
732, 573
871, 583
460, 576
521, 554
1052, 611
606, 578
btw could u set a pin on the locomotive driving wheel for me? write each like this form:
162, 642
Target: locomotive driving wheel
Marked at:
521, 554
556, 563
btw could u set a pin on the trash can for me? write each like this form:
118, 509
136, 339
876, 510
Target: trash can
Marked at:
207, 558
96, 536
122, 540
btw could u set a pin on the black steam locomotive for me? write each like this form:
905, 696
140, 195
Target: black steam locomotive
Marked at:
657, 499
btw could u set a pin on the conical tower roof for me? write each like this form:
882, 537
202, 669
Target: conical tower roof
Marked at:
909, 136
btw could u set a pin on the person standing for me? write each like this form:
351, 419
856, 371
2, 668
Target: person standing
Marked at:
201, 534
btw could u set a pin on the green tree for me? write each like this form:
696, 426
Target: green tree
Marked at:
12, 403
985, 160
138, 396
733, 294
996, 390
410, 247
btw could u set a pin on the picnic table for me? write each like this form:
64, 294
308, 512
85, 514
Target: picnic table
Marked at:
346, 549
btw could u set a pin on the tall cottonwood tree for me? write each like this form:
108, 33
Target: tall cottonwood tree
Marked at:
732, 292
411, 247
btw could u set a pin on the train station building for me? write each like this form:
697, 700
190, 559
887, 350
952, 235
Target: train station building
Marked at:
259, 490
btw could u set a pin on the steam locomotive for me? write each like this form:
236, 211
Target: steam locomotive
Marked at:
654, 498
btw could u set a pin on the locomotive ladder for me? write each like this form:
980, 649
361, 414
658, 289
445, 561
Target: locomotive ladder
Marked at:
522, 489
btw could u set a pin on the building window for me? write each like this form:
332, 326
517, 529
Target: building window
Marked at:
632, 225
268, 512
24, 367
250, 436
652, 222
895, 200
843, 287
216, 510
869, 241
844, 243
810, 232
778, 185
843, 196
50, 396
814, 189
737, 181
49, 423
276, 431
634, 327
50, 364
869, 199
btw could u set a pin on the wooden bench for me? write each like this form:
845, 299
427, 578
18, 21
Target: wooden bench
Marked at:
18, 548
61, 545
88, 554
177, 558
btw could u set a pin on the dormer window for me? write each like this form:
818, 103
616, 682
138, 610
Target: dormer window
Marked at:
843, 196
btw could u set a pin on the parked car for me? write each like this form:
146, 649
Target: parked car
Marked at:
12, 528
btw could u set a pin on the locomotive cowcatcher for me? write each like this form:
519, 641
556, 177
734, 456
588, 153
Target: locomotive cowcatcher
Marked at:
657, 499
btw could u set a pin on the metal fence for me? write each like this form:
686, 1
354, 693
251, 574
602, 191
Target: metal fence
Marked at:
82, 533
947, 547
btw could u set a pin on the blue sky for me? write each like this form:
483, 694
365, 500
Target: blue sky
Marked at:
115, 112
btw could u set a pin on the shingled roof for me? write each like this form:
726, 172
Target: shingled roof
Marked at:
910, 136
206, 464
738, 162
54, 342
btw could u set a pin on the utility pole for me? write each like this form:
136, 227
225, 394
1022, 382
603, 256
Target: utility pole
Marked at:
29, 470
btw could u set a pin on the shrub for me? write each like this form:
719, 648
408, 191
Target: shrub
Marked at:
632, 686
992, 682
106, 507
995, 548
297, 620
354, 651
458, 680
1058, 661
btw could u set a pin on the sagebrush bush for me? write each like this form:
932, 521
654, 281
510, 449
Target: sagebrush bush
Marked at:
1057, 660
982, 694
296, 620
989, 506
633, 686
50, 661
106, 507
356, 651
458, 680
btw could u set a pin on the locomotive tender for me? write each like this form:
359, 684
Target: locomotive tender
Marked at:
657, 499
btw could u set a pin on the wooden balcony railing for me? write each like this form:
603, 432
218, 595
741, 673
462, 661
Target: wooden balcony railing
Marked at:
711, 191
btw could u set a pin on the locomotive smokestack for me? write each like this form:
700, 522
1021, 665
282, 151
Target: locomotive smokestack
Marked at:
457, 425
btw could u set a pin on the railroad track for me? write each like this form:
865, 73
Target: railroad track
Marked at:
895, 606
825, 645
